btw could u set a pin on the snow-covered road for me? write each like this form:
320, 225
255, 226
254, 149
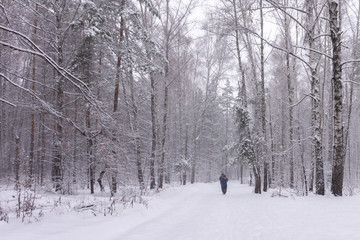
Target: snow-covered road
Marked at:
201, 212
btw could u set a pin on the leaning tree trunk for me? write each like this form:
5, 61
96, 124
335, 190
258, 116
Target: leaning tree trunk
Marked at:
338, 154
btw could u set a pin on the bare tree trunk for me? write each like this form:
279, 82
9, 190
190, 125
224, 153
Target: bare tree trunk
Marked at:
57, 175
241, 173
136, 133
315, 103
89, 151
347, 139
115, 109
74, 170
17, 161
290, 99
166, 93
246, 141
263, 103
186, 154
330, 110
87, 65
3, 120
312, 177
163, 140
43, 150
99, 180
338, 161
302, 150
32, 132
331, 124
226, 160
255, 160
153, 130
243, 98
116, 97
350, 103
272, 177
194, 160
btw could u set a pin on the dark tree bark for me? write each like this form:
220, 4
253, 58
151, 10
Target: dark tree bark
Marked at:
99, 180
338, 153
317, 157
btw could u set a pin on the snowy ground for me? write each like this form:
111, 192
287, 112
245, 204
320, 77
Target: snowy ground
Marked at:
201, 212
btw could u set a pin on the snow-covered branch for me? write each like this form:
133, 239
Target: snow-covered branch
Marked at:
79, 84
7, 102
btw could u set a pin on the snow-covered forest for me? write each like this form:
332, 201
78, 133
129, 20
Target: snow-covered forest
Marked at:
97, 96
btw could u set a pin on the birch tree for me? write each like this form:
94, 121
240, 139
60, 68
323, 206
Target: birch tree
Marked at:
338, 153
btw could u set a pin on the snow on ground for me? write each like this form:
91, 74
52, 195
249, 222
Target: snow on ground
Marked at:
201, 212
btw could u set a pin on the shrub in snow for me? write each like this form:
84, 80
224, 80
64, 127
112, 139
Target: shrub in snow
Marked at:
26, 201
4, 216
127, 197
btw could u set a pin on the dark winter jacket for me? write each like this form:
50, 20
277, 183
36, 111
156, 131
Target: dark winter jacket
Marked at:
223, 181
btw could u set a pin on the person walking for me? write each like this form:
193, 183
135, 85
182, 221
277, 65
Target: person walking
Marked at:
223, 182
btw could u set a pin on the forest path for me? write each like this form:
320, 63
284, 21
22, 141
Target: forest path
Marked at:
201, 212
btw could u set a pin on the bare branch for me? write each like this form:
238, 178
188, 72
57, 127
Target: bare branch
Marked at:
294, 105
44, 104
315, 51
7, 102
349, 81
350, 61
275, 46
276, 5
79, 84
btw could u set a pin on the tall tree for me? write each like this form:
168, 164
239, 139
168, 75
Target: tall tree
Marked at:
314, 62
57, 174
338, 154
262, 99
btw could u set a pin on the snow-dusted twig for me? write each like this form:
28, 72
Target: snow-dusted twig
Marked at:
7, 102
